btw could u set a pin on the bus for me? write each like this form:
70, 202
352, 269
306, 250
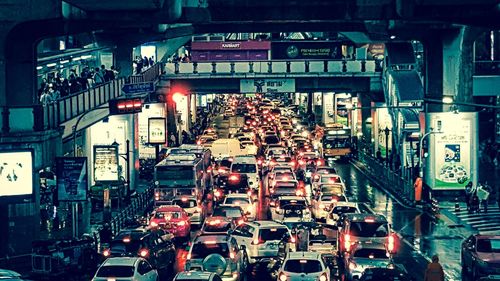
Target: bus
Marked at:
180, 174
336, 142
205, 155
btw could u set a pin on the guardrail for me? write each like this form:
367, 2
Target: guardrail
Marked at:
392, 181
272, 67
148, 75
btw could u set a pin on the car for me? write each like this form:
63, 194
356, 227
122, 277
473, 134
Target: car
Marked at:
280, 176
156, 246
289, 187
233, 212
366, 256
323, 170
194, 209
361, 229
247, 165
275, 205
389, 274
322, 203
217, 224
326, 179
244, 201
173, 219
217, 253
196, 275
480, 255
9, 275
224, 166
297, 265
294, 213
331, 188
262, 238
126, 268
339, 209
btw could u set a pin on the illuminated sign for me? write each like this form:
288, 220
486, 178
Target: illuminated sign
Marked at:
106, 163
72, 180
125, 106
16, 173
157, 130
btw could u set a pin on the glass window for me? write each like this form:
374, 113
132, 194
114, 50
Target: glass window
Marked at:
236, 201
168, 215
371, 254
303, 266
122, 247
369, 229
244, 168
174, 172
116, 271
202, 250
272, 234
344, 210
228, 212
191, 203
488, 245
221, 227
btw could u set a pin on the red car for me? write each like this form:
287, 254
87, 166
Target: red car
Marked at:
173, 219
481, 255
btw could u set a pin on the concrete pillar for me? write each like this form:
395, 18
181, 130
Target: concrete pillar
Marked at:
328, 108
123, 60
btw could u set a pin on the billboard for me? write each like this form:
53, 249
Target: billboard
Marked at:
147, 151
452, 160
306, 50
267, 85
72, 178
157, 130
16, 173
106, 163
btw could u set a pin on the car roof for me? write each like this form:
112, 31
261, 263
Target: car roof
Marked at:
346, 204
168, 208
180, 197
220, 237
133, 234
190, 275
238, 195
123, 261
291, 197
483, 236
362, 217
304, 255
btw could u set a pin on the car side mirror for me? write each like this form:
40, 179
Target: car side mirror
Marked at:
231, 232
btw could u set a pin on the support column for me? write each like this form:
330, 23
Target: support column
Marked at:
123, 60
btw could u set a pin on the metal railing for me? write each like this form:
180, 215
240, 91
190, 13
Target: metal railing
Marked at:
148, 75
392, 181
272, 67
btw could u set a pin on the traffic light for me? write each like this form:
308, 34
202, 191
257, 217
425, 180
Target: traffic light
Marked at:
125, 106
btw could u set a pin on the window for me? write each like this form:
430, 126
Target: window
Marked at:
144, 267
244, 168
303, 266
168, 215
344, 210
236, 201
116, 271
119, 246
272, 234
369, 229
228, 212
488, 245
202, 250
191, 203
371, 254
174, 172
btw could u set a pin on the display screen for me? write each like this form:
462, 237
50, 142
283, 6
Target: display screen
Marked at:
105, 163
16, 173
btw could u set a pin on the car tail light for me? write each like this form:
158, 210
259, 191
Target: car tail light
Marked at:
292, 239
240, 221
144, 253
233, 178
391, 244
292, 163
106, 253
181, 223
188, 257
323, 277
283, 277
352, 266
217, 193
347, 242
301, 162
198, 142
259, 162
319, 162
153, 224
249, 193
221, 170
256, 241
299, 193
232, 255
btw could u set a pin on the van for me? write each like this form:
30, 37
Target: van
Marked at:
226, 148
247, 165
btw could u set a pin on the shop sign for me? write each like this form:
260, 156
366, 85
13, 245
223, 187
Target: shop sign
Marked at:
157, 128
16, 173
267, 85
306, 50
106, 163
72, 179
147, 151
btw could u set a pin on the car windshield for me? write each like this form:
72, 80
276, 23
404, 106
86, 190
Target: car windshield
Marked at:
225, 163
203, 249
337, 198
303, 266
371, 254
228, 212
244, 168
344, 210
284, 202
116, 271
220, 227
369, 229
272, 234
168, 215
284, 176
271, 139
236, 201
191, 203
488, 245
120, 246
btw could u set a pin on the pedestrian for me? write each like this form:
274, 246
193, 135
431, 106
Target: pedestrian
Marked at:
434, 271
151, 61
172, 139
379, 155
474, 202
483, 196
98, 78
46, 98
469, 189
105, 234
146, 62
185, 137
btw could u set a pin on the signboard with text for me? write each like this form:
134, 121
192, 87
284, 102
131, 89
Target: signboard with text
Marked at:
157, 127
147, 151
106, 163
16, 174
72, 180
306, 50
267, 85
138, 88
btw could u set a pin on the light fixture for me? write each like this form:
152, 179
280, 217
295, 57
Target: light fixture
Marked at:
76, 59
39, 67
84, 57
447, 100
51, 64
64, 61
393, 37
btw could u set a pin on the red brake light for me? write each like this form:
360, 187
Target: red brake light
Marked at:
301, 162
198, 142
144, 253
256, 241
106, 253
240, 221
217, 193
369, 220
182, 223
347, 242
391, 243
233, 178
232, 255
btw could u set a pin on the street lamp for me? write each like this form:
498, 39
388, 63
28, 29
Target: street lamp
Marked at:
421, 171
126, 157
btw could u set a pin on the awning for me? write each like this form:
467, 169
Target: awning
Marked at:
400, 53
408, 85
410, 119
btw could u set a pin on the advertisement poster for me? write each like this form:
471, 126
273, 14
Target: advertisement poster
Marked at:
452, 160
147, 151
157, 130
16, 173
267, 85
72, 179
105, 163
306, 50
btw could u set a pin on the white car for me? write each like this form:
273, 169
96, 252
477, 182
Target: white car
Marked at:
126, 268
340, 209
322, 204
247, 164
327, 179
195, 210
244, 201
275, 206
297, 265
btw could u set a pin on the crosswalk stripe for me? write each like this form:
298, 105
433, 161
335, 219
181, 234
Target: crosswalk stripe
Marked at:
484, 222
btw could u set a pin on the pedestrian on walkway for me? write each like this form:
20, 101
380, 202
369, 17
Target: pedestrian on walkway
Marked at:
379, 155
469, 190
434, 271
483, 195
474, 202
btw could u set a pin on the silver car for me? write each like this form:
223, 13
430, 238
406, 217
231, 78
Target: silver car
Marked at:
365, 257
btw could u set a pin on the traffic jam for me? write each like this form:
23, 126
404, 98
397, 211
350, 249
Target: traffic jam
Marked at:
257, 197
